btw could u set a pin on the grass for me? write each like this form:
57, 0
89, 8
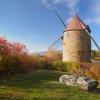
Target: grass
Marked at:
41, 85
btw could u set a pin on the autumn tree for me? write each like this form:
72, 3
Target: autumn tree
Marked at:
53, 55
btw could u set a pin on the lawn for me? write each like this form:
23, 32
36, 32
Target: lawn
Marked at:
41, 85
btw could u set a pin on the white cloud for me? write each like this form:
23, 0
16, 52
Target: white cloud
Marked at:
95, 10
96, 7
70, 4
45, 2
94, 20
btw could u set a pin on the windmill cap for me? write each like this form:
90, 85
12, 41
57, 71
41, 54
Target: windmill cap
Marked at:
76, 24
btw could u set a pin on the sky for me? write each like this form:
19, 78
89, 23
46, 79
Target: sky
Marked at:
33, 22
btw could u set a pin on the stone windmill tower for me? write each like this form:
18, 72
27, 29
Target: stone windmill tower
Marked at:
76, 42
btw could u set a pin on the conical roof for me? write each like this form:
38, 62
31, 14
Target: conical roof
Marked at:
75, 24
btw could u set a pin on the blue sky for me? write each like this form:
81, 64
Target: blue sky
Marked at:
33, 23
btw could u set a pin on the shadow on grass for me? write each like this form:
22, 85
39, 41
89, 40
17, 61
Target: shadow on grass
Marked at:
97, 91
38, 79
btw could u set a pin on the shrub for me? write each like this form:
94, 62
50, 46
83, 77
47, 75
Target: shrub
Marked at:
38, 62
59, 66
94, 72
53, 55
41, 63
66, 66
75, 67
9, 64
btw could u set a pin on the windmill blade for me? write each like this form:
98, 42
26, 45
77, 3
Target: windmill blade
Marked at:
93, 40
55, 42
56, 12
58, 15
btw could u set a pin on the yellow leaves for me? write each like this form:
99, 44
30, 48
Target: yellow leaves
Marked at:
53, 55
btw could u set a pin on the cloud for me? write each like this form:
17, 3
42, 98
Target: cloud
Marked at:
95, 10
70, 4
96, 7
45, 2
93, 20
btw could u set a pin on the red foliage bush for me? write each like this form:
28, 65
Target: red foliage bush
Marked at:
14, 58
11, 48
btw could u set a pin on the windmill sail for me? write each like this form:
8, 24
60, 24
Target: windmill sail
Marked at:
55, 42
59, 16
61, 22
93, 40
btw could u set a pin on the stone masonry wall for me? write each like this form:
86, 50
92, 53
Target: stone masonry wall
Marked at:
76, 46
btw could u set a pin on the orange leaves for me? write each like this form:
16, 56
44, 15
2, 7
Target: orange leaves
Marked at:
95, 71
91, 70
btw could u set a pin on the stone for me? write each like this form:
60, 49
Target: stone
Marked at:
67, 79
87, 83
84, 83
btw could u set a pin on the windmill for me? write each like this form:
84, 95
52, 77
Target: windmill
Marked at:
76, 40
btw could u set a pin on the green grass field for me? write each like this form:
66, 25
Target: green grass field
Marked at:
41, 85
